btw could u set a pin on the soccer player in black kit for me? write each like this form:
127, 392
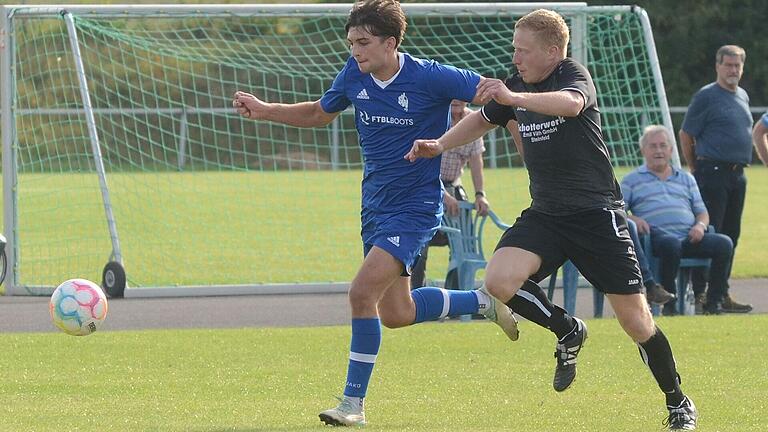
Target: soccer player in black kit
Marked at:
550, 106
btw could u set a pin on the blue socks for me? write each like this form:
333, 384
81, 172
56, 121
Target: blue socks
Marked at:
431, 304
366, 339
435, 303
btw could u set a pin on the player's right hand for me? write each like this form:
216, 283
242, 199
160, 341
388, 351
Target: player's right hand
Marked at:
248, 105
495, 89
424, 149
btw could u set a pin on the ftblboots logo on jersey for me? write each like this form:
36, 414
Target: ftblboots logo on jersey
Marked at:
403, 101
363, 95
394, 240
368, 120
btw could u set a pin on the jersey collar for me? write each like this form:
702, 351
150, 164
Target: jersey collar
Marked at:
384, 84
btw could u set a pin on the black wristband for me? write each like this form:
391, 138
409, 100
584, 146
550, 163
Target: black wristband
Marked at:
480, 193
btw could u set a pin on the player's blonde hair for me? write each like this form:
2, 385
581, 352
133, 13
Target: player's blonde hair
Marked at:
549, 25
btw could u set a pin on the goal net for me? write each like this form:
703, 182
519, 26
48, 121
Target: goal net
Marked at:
131, 152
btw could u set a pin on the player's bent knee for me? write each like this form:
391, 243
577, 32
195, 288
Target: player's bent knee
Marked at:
503, 286
395, 320
638, 326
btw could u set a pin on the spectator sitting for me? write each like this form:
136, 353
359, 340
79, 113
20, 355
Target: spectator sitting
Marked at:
451, 169
665, 202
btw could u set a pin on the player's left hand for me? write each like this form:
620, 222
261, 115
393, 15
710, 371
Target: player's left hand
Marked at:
482, 205
495, 89
424, 149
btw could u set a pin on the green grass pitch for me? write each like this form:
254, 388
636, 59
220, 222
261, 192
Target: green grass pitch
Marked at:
433, 377
234, 228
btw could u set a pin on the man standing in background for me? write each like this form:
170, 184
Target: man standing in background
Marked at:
716, 140
451, 169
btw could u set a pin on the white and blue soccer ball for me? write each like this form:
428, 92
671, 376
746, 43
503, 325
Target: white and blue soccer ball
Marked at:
78, 307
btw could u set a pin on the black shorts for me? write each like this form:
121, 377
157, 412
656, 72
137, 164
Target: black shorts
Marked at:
596, 241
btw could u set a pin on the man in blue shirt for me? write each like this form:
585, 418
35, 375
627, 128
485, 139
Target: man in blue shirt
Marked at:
665, 202
760, 138
397, 99
717, 144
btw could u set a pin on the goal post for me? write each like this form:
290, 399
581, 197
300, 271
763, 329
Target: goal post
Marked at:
119, 116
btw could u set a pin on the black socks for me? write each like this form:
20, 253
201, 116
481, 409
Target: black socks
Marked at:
657, 354
532, 303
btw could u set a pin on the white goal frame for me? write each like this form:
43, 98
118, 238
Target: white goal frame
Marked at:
9, 14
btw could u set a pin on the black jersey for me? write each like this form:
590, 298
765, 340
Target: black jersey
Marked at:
568, 163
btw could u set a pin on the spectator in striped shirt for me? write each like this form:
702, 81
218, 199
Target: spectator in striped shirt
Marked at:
451, 169
665, 201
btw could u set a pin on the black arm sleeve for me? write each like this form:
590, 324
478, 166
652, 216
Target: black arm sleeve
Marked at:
498, 114
572, 76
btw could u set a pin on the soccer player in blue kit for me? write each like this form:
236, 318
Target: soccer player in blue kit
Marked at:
397, 99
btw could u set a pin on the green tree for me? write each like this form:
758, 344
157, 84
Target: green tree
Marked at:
689, 32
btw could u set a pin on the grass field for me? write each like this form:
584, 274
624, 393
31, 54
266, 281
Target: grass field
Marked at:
433, 377
250, 227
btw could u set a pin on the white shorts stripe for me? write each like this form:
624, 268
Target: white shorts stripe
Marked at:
446, 304
613, 221
643, 354
362, 358
531, 298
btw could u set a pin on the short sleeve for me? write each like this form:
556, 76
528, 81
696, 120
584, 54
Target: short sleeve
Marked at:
696, 115
575, 77
498, 114
335, 99
449, 82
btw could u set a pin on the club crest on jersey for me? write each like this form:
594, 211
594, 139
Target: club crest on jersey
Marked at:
403, 101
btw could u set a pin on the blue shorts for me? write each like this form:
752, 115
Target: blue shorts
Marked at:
402, 235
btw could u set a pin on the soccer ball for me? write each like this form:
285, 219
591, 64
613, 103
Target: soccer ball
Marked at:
78, 307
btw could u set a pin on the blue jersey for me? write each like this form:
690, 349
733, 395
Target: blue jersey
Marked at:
389, 116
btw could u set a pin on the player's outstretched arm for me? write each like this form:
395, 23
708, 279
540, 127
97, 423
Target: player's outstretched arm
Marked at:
566, 103
467, 130
303, 114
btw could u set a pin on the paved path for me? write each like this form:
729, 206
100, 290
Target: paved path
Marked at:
30, 314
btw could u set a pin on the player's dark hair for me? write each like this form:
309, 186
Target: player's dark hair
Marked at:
382, 18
